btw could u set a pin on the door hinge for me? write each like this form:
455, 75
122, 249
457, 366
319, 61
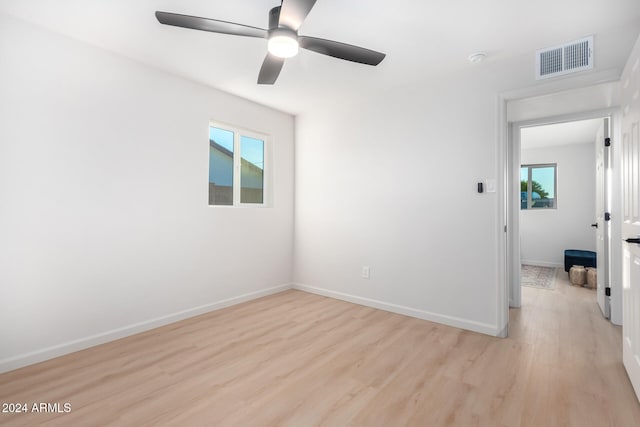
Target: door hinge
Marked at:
607, 216
607, 142
607, 291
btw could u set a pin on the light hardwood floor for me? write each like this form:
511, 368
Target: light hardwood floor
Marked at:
297, 359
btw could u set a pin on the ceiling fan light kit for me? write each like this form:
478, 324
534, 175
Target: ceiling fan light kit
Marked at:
283, 40
283, 43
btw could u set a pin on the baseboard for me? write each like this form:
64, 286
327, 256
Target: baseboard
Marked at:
483, 328
37, 356
542, 263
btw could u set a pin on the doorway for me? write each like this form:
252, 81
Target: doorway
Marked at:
547, 216
561, 165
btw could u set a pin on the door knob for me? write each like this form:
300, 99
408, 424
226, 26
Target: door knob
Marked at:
595, 224
633, 240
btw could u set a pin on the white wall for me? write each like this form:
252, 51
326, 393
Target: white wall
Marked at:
546, 233
104, 223
390, 183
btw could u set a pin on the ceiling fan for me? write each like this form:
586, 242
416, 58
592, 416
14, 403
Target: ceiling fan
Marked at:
282, 35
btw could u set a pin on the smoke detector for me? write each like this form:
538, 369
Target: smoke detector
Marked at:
474, 58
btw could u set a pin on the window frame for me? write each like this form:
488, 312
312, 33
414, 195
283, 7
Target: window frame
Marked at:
238, 133
530, 168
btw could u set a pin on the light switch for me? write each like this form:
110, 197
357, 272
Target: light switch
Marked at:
491, 185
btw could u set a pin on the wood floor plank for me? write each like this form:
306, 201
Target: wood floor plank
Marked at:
297, 359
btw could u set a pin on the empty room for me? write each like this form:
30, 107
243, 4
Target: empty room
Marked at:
309, 212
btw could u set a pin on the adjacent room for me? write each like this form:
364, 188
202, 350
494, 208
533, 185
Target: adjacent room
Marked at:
306, 213
558, 198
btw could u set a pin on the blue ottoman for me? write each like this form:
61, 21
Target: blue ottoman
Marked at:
577, 257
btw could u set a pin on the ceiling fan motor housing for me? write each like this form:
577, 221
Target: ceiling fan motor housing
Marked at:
283, 41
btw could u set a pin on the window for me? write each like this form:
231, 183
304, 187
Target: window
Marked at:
538, 184
236, 166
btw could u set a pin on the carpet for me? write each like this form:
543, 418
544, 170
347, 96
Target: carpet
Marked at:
537, 277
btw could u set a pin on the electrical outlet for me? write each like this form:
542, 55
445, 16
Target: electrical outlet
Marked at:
366, 272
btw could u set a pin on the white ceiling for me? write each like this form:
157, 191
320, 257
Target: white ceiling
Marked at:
580, 132
423, 40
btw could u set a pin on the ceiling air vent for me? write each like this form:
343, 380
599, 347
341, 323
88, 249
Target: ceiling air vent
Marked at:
565, 59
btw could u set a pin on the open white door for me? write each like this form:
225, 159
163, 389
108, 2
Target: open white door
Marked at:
602, 224
631, 218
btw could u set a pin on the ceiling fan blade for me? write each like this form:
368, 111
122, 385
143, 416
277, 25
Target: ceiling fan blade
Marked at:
293, 12
341, 50
270, 69
206, 24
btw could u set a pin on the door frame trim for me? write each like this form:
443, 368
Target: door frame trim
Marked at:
509, 245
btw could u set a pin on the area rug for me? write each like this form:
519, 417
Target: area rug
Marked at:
537, 277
